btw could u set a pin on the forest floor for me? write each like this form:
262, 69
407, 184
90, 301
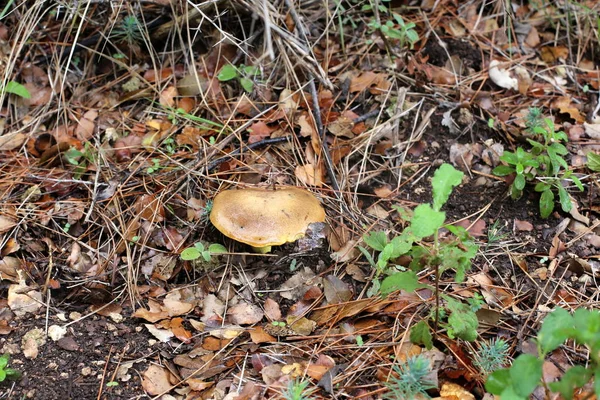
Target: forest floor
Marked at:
452, 144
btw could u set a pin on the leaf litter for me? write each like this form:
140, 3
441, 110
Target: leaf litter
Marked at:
110, 165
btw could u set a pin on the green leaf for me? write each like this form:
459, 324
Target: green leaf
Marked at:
12, 373
426, 221
462, 322
376, 240
217, 248
519, 182
247, 84
227, 73
587, 330
4, 360
593, 161
555, 330
509, 157
421, 334
444, 180
497, 381
546, 203
597, 381
191, 253
18, 89
205, 255
503, 170
407, 281
525, 374
2, 375
565, 199
577, 182
397, 247
574, 378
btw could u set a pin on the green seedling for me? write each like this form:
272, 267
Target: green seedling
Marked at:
543, 164
199, 250
453, 253
491, 356
81, 158
244, 74
525, 375
395, 28
129, 31
297, 390
410, 380
155, 166
5, 372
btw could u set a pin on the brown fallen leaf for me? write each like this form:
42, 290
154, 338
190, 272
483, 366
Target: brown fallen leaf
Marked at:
245, 314
156, 380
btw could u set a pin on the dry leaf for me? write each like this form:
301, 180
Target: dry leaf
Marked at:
156, 380
272, 310
245, 314
309, 175
85, 129
11, 141
6, 224
163, 335
258, 335
23, 299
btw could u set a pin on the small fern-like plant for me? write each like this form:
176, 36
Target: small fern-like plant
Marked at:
296, 390
413, 379
492, 356
129, 31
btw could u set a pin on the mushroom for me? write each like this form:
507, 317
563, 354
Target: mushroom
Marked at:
263, 218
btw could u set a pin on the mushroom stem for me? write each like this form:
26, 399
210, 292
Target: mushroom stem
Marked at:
262, 250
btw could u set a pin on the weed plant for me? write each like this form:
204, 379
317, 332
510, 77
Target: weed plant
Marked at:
544, 164
453, 253
413, 378
520, 380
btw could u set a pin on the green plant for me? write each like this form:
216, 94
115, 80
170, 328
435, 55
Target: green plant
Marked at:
395, 28
244, 74
452, 253
544, 163
413, 378
491, 356
129, 31
296, 390
5, 372
81, 158
525, 374
199, 250
17, 89
155, 166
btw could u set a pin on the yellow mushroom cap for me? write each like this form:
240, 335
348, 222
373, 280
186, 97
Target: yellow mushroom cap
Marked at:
265, 217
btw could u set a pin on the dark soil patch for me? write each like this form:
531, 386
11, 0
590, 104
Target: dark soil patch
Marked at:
75, 367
